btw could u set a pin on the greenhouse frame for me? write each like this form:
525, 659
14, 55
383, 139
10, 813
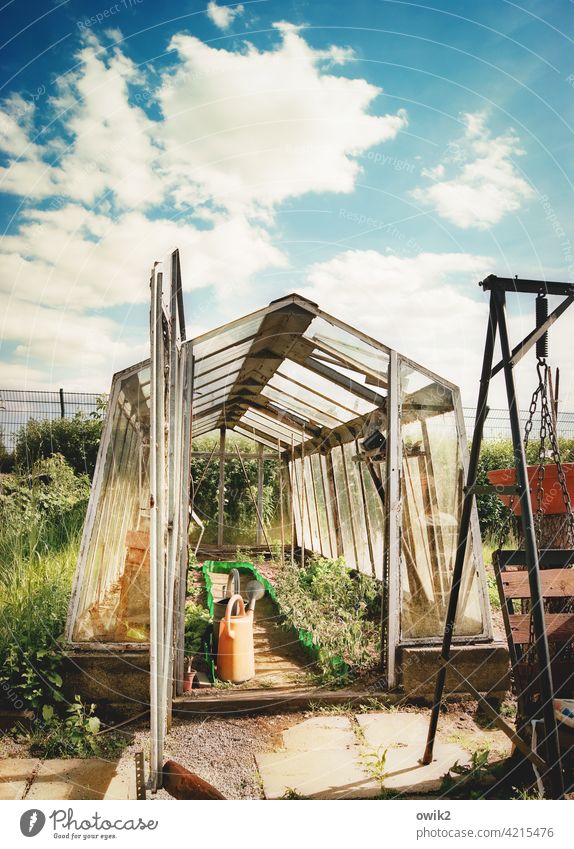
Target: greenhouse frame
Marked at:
372, 446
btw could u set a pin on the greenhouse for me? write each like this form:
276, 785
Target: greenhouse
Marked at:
371, 450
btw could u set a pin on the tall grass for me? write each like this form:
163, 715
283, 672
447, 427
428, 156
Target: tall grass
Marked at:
41, 516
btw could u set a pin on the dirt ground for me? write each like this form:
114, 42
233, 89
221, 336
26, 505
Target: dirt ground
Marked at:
222, 750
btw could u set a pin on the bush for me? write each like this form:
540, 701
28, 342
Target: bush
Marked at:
40, 511
41, 515
339, 607
77, 439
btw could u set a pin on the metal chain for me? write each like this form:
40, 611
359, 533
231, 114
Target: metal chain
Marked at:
555, 451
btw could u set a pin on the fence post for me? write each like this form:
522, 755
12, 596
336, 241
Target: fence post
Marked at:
62, 408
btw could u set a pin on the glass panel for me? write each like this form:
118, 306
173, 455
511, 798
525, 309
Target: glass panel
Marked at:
236, 352
344, 508
270, 425
299, 408
344, 398
432, 480
233, 336
259, 439
294, 473
311, 506
112, 589
208, 381
342, 345
307, 396
358, 518
212, 389
324, 512
375, 516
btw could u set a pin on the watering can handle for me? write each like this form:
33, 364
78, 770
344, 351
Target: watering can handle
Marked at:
230, 605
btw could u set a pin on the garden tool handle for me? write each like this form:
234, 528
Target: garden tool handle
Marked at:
235, 599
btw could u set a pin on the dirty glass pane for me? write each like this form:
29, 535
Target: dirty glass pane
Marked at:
432, 479
308, 396
344, 508
340, 345
358, 517
324, 509
111, 599
375, 516
272, 426
311, 506
343, 398
223, 358
224, 338
314, 415
294, 472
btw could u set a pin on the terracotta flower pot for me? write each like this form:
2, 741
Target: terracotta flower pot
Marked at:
552, 502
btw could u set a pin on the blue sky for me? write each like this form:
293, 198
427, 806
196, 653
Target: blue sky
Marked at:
379, 157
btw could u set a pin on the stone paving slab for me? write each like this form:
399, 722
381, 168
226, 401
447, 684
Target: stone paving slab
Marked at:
15, 773
327, 757
403, 735
320, 733
78, 778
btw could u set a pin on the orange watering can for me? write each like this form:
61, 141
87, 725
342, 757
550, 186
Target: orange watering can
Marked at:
235, 656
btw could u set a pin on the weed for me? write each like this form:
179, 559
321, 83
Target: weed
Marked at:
290, 793
74, 735
375, 764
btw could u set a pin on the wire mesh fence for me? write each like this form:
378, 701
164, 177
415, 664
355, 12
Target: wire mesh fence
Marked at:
497, 425
18, 406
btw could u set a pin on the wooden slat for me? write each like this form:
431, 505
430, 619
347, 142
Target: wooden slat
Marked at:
559, 627
555, 583
551, 557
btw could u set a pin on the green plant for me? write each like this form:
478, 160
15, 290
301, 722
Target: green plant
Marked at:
339, 608
76, 438
291, 793
375, 764
470, 779
74, 735
197, 619
40, 519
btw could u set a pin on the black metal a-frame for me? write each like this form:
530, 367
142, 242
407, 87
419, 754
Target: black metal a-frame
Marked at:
498, 287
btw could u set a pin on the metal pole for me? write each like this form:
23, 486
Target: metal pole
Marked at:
62, 407
221, 508
392, 507
481, 413
292, 493
556, 777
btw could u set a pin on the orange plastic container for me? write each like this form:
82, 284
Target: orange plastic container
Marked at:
235, 655
552, 502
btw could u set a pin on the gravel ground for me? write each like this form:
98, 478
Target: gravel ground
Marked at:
221, 751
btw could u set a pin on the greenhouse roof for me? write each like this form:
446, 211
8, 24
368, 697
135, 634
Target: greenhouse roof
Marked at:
290, 374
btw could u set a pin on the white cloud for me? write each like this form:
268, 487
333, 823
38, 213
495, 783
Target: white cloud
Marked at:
78, 259
253, 128
421, 305
477, 182
107, 181
223, 16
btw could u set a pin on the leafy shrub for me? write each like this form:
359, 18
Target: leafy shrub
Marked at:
197, 619
77, 439
75, 735
41, 515
40, 511
340, 608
